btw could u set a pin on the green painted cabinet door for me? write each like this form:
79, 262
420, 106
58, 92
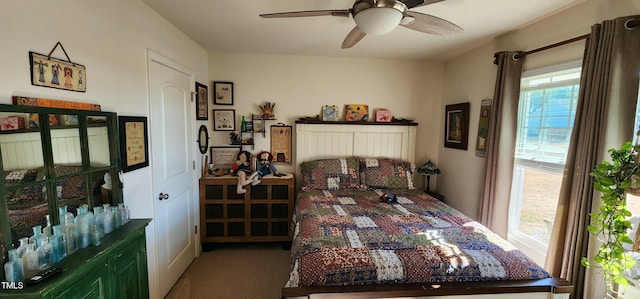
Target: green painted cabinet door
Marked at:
91, 286
128, 272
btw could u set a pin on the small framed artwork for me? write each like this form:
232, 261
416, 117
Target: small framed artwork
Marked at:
356, 113
134, 144
456, 126
52, 72
281, 144
224, 120
383, 116
202, 102
329, 113
223, 93
223, 157
483, 127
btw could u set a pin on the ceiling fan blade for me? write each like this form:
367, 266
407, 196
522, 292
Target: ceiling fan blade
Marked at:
353, 38
415, 3
309, 13
431, 24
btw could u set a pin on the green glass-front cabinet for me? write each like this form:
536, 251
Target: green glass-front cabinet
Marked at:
53, 158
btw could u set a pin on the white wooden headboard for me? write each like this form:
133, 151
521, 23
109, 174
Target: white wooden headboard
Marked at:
325, 141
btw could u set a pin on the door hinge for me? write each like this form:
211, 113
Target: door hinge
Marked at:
196, 227
194, 165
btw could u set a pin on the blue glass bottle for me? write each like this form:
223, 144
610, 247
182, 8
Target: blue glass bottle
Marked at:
37, 236
58, 251
13, 270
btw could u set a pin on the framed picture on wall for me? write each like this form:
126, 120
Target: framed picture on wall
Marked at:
202, 103
224, 120
281, 144
223, 157
134, 145
222, 93
456, 126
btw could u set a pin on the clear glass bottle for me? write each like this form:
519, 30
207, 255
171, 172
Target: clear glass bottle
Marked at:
123, 214
47, 229
23, 246
84, 221
13, 270
99, 220
44, 254
70, 232
108, 219
58, 251
117, 219
30, 261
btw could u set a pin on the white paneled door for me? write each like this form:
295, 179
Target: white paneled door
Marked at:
173, 173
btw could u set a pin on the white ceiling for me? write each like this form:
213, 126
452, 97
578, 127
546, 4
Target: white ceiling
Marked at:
234, 26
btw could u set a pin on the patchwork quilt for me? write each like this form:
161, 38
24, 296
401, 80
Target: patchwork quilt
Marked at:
348, 237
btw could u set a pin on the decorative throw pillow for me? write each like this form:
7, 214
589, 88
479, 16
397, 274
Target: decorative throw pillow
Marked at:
330, 174
20, 176
386, 173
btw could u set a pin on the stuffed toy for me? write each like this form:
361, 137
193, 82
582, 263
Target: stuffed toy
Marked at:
241, 169
263, 167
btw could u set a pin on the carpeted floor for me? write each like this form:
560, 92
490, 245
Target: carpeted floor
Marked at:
235, 271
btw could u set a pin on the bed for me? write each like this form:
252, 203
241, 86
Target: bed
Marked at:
361, 229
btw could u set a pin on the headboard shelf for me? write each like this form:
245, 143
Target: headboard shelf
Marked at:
320, 122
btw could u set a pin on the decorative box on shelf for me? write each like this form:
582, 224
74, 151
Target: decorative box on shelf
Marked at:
11, 123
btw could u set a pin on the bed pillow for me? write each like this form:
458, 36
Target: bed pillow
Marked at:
20, 176
330, 174
386, 173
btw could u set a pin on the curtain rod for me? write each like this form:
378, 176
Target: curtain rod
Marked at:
629, 24
558, 44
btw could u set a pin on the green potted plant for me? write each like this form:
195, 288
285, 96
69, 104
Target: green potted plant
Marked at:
610, 224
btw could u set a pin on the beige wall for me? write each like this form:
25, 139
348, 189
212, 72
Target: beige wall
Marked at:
111, 39
462, 170
301, 85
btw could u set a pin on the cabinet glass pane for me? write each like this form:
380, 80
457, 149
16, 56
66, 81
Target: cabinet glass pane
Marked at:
213, 191
214, 211
70, 192
98, 135
259, 192
236, 229
235, 211
280, 229
27, 207
280, 192
259, 211
259, 229
101, 189
215, 229
232, 194
22, 157
280, 211
65, 144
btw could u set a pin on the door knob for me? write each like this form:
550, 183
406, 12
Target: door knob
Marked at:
162, 196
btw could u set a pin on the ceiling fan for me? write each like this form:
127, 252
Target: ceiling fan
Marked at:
378, 17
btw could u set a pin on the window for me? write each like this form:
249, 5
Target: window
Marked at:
546, 113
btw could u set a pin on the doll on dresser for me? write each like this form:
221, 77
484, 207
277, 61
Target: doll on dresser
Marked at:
241, 169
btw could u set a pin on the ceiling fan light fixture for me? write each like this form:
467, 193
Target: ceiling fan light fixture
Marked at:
378, 20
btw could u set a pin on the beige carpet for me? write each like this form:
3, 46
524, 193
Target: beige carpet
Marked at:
235, 271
